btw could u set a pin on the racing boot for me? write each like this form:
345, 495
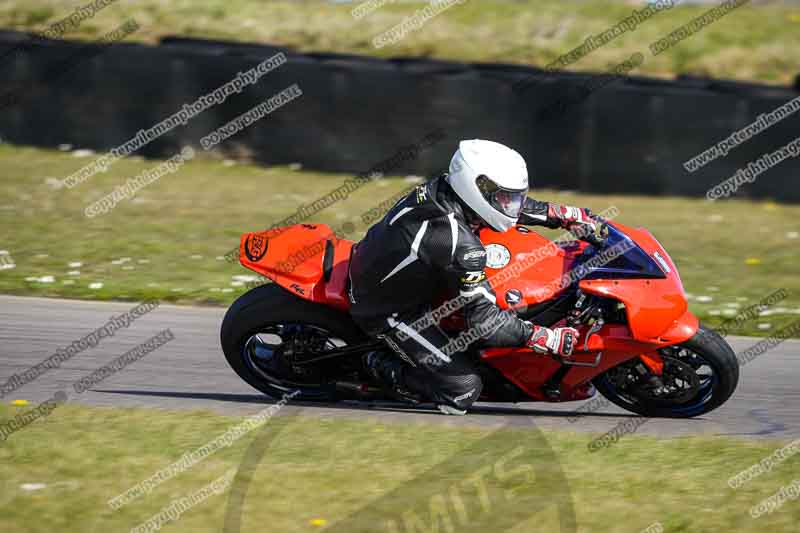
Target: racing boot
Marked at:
387, 370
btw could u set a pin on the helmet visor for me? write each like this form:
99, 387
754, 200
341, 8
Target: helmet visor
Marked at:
507, 201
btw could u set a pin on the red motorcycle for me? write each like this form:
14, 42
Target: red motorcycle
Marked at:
639, 345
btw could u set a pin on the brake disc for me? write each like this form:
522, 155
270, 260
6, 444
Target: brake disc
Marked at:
679, 383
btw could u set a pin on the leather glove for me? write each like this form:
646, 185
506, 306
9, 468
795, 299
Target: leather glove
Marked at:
575, 219
558, 341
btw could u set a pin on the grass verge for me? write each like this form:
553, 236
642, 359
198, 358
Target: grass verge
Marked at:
755, 42
59, 472
167, 242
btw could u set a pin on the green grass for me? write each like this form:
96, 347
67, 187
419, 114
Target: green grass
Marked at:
167, 242
340, 469
751, 43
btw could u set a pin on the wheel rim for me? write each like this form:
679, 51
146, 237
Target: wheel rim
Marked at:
682, 366
270, 351
703, 369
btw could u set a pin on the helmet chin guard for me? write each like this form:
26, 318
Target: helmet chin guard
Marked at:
491, 179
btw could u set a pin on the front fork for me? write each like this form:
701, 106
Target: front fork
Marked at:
588, 310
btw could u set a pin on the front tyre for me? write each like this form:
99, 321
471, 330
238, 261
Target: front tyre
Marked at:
699, 376
267, 329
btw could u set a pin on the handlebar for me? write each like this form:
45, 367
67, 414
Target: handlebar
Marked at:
594, 240
598, 239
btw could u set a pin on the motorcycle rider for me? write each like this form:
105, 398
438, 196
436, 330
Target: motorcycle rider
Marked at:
428, 243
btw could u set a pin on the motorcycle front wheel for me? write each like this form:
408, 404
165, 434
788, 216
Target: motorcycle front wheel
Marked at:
699, 375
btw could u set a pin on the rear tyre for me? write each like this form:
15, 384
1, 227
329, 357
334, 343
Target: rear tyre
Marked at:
268, 327
702, 372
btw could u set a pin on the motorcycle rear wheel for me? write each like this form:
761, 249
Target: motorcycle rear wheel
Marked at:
716, 375
268, 326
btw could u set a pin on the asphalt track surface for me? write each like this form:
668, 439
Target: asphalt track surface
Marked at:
190, 372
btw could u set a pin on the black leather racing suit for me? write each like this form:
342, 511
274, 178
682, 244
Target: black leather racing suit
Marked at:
424, 249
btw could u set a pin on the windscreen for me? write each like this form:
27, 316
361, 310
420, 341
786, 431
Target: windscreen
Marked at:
626, 259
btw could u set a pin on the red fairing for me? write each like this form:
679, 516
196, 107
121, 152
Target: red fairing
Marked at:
524, 261
530, 268
293, 258
654, 306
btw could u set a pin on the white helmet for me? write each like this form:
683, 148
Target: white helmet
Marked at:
491, 179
